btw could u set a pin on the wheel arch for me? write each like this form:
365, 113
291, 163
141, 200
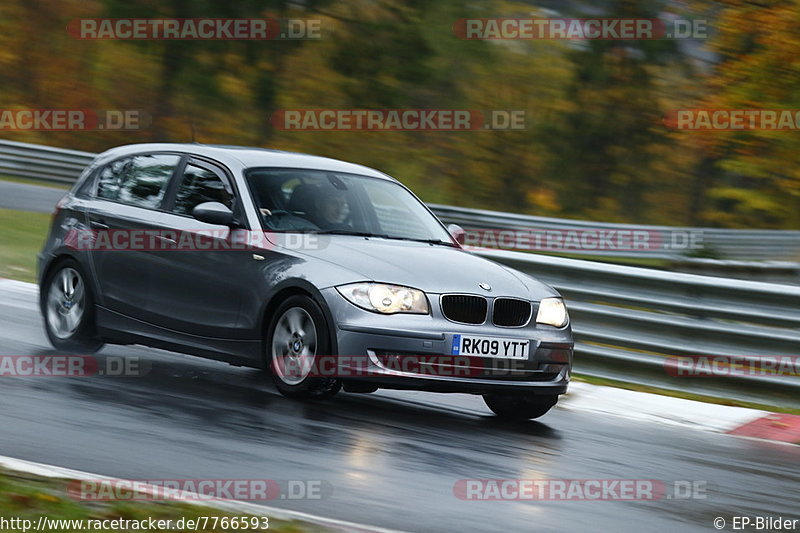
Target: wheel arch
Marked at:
295, 287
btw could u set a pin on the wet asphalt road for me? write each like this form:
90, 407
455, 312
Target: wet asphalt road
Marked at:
25, 197
388, 459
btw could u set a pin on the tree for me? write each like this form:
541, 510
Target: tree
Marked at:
758, 183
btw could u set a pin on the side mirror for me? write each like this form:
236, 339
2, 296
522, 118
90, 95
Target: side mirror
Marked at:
457, 232
213, 213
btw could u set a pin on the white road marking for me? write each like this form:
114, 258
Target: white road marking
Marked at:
18, 287
657, 408
50, 471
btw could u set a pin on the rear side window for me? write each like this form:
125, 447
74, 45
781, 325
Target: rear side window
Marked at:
110, 178
200, 185
86, 181
139, 180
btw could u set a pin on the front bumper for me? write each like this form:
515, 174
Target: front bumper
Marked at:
386, 342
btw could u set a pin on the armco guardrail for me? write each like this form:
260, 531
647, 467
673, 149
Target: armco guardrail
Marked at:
46, 163
63, 166
726, 243
627, 321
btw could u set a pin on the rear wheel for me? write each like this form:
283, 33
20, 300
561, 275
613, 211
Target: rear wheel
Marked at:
296, 336
519, 406
68, 310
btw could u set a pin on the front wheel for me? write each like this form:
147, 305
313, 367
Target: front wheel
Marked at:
297, 335
519, 406
68, 310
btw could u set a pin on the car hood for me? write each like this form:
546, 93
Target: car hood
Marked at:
431, 268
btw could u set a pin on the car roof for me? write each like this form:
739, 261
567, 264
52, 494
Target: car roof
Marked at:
248, 157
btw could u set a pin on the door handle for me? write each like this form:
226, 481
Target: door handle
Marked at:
171, 242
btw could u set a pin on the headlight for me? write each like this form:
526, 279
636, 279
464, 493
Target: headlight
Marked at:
553, 312
387, 299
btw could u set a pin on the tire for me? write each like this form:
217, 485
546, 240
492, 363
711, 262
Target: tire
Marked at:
67, 306
297, 334
519, 406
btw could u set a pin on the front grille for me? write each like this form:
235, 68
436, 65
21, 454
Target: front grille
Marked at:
510, 312
464, 308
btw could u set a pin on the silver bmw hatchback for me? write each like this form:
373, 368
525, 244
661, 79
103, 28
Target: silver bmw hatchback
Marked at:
328, 274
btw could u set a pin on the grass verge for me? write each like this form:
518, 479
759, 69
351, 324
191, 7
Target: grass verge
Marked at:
25, 496
22, 235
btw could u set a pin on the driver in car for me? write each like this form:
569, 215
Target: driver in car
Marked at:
331, 210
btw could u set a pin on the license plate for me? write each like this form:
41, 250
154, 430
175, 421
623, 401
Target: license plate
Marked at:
490, 347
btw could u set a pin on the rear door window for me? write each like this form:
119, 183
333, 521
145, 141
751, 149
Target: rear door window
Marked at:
140, 180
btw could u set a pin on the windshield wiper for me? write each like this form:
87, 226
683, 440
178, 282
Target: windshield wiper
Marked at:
345, 232
379, 236
427, 241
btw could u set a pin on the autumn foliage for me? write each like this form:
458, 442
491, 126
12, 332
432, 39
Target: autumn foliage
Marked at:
595, 145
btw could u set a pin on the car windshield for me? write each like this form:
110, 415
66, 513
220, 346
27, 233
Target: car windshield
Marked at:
316, 201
